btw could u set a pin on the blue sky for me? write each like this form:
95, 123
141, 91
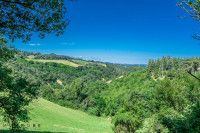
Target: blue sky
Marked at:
122, 31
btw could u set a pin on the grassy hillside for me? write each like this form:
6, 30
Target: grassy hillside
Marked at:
54, 118
65, 62
86, 62
61, 59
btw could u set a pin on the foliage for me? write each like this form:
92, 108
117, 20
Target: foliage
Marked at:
16, 96
76, 87
141, 103
167, 66
164, 97
5, 53
192, 7
15, 92
19, 19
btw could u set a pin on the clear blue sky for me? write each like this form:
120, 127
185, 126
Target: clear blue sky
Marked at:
122, 31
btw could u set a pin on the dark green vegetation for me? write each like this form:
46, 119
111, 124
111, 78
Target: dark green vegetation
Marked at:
76, 87
21, 18
163, 97
15, 92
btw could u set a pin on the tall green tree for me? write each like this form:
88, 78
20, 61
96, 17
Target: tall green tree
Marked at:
15, 92
20, 19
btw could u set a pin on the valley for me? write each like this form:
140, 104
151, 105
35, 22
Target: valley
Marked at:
97, 97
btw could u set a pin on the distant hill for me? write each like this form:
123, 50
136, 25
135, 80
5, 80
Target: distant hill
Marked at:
65, 62
68, 60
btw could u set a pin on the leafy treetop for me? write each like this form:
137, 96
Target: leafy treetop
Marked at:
21, 18
192, 7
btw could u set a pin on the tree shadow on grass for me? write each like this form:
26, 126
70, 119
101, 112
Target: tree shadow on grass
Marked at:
8, 131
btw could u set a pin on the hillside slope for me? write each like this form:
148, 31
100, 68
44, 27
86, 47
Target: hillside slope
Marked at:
49, 117
65, 62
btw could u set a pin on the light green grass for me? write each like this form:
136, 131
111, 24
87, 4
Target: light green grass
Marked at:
65, 62
54, 118
83, 62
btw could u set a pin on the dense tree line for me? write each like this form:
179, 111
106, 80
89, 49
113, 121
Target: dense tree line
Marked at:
142, 104
52, 56
139, 102
162, 67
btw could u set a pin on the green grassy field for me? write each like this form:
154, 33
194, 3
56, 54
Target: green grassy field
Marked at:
49, 117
